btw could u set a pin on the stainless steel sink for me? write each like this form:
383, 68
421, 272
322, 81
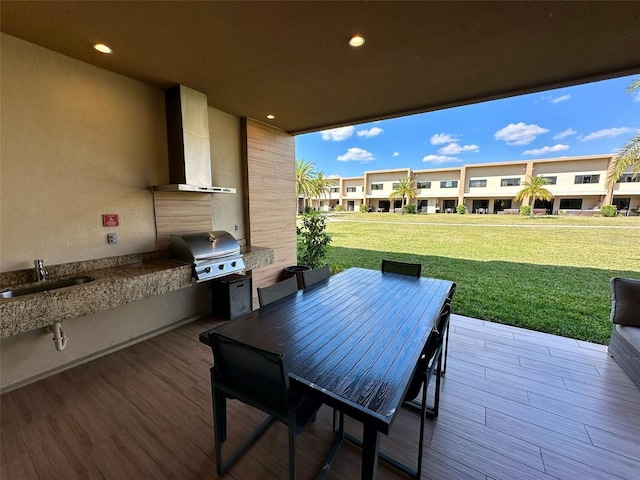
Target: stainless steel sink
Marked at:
45, 286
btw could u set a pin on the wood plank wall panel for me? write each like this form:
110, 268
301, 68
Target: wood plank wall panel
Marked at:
181, 212
270, 199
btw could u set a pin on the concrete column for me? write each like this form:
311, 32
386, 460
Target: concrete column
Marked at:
528, 174
608, 197
461, 183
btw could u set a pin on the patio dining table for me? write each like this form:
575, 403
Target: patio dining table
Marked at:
353, 340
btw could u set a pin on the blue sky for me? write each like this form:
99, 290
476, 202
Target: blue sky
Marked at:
591, 119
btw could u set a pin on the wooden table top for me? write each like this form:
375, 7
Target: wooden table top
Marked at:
354, 339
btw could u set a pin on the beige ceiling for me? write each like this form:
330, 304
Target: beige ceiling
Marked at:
291, 59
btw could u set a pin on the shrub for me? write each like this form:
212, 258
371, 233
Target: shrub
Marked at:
313, 240
409, 208
608, 210
461, 209
525, 210
338, 208
308, 209
337, 268
363, 208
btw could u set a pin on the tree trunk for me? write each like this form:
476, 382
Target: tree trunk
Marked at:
533, 202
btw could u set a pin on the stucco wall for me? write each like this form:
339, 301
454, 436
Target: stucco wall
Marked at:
78, 141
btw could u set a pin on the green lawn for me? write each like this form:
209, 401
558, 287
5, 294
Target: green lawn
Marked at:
549, 274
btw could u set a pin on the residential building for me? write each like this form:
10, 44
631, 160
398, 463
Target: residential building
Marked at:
576, 183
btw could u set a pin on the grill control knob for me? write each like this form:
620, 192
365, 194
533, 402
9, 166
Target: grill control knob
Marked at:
221, 267
233, 264
207, 270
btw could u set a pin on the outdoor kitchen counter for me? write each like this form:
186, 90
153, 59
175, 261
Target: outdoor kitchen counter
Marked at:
255, 257
112, 286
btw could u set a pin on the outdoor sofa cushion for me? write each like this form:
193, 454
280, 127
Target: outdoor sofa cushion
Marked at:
625, 301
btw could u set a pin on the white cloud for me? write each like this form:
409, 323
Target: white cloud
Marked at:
454, 149
395, 154
356, 154
636, 97
566, 133
337, 134
333, 175
519, 133
440, 138
541, 151
438, 159
606, 133
372, 132
549, 98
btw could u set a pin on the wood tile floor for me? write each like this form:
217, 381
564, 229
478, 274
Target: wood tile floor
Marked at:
515, 404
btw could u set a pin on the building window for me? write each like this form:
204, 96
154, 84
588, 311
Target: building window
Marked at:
551, 180
477, 183
376, 186
622, 203
335, 189
628, 177
510, 182
424, 184
587, 179
570, 203
351, 189
449, 184
395, 186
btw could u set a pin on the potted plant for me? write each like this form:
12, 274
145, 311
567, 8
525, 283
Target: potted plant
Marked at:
311, 245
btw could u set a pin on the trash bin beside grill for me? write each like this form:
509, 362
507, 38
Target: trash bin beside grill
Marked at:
231, 296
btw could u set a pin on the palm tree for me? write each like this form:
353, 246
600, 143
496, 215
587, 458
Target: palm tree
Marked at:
322, 184
305, 183
403, 189
629, 155
534, 189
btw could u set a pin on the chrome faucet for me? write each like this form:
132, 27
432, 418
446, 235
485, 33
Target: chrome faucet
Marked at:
41, 271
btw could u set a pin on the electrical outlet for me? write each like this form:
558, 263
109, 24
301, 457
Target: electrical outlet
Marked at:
237, 227
112, 238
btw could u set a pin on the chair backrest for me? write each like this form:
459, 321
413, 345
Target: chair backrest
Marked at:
311, 277
250, 373
270, 294
443, 319
403, 268
429, 352
625, 301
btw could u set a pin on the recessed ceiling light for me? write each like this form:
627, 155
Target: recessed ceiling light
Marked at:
356, 41
271, 117
102, 48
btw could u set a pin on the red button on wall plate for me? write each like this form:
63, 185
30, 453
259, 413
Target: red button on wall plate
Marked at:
110, 220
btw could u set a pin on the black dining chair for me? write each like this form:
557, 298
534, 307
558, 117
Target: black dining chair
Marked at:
270, 294
311, 277
444, 330
403, 268
429, 363
259, 378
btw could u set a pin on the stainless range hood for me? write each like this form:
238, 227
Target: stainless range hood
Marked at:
189, 146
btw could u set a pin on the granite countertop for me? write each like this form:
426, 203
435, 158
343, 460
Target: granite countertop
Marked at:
117, 281
110, 288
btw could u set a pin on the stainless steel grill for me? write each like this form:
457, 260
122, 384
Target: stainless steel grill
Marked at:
211, 254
